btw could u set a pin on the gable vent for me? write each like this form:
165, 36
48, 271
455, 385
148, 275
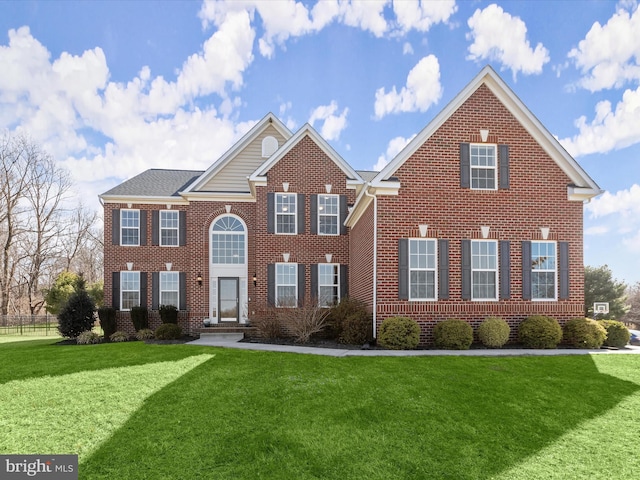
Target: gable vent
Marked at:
269, 146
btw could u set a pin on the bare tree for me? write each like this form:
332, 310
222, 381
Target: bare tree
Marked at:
633, 299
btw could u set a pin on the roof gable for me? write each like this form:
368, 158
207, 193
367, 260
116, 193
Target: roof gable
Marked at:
584, 187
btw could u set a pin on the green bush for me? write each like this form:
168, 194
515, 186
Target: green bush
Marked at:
140, 317
119, 336
88, 338
399, 333
168, 314
540, 331
493, 332
584, 333
453, 334
168, 331
617, 334
145, 334
350, 322
107, 316
77, 315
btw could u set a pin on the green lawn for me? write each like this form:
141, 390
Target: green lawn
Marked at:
137, 411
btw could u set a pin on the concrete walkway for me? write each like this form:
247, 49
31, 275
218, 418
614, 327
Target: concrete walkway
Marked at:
340, 352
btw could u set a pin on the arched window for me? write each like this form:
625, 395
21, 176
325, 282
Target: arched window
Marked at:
228, 241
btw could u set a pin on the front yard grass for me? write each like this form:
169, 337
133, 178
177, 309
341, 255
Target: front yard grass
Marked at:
139, 411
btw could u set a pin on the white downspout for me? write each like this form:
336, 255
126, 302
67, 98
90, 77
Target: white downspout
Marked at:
375, 254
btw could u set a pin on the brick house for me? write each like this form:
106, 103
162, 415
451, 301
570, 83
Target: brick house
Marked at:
480, 214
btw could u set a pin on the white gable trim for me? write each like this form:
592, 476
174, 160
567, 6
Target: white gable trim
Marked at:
501, 90
250, 136
259, 176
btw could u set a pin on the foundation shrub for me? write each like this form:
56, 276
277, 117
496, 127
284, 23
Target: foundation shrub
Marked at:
88, 338
268, 325
493, 332
107, 316
305, 320
540, 331
168, 331
617, 334
399, 333
139, 317
145, 334
453, 334
584, 333
168, 314
350, 322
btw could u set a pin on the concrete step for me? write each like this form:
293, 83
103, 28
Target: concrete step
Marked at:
221, 336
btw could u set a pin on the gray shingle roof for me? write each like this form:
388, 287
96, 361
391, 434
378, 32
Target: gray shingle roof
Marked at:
156, 183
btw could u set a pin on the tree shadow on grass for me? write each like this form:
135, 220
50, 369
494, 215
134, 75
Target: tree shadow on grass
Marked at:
267, 415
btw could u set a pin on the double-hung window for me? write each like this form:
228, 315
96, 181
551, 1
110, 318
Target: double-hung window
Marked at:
422, 269
286, 213
328, 284
483, 166
170, 288
129, 290
328, 210
286, 284
543, 270
130, 227
484, 270
169, 220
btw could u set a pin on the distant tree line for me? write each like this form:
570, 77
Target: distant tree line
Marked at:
40, 234
623, 299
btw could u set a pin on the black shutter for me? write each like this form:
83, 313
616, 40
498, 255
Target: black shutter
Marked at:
271, 215
271, 284
314, 280
466, 269
182, 233
443, 269
505, 269
526, 270
115, 226
143, 227
403, 269
143, 289
155, 290
564, 270
344, 281
344, 211
300, 207
155, 228
115, 290
465, 165
301, 284
182, 302
503, 160
313, 212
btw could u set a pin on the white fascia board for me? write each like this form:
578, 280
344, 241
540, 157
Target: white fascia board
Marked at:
145, 200
360, 206
218, 197
250, 136
386, 187
582, 194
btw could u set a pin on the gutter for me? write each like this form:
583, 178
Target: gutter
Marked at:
375, 254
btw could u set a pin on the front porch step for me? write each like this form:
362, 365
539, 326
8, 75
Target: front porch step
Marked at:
225, 333
222, 336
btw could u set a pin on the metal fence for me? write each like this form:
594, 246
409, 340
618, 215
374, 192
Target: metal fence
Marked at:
36, 325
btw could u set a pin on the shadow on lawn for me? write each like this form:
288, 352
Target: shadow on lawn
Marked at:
268, 415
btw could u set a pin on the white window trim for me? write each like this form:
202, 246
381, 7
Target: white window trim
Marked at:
496, 271
160, 290
295, 213
295, 303
122, 227
332, 285
555, 271
494, 168
434, 269
335, 215
160, 228
122, 290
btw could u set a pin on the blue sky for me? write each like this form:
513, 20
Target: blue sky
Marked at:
111, 88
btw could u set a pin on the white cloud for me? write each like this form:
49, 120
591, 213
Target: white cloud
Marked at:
422, 90
407, 49
422, 15
498, 36
333, 124
609, 55
610, 129
596, 230
625, 203
395, 146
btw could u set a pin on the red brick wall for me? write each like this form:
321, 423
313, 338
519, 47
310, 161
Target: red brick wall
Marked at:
361, 258
430, 194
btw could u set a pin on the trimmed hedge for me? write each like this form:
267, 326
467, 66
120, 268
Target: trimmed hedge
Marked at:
493, 332
140, 317
453, 334
168, 314
168, 331
540, 331
399, 333
107, 316
617, 334
584, 333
